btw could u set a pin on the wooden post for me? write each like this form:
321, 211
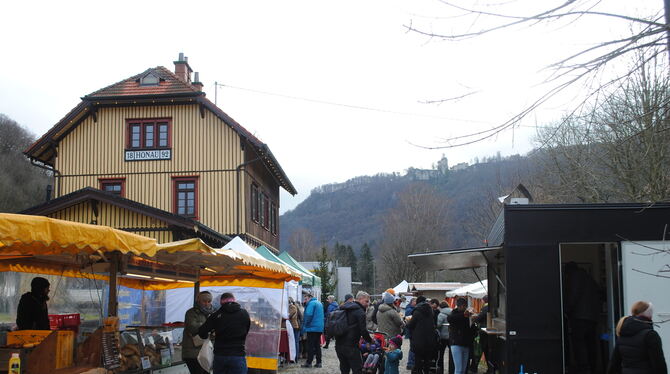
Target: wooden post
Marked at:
113, 309
196, 287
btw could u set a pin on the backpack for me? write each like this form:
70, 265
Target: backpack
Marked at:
374, 315
337, 323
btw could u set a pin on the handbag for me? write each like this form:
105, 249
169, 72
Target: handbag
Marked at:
206, 355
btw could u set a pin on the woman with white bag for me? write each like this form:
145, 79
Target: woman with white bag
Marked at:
191, 342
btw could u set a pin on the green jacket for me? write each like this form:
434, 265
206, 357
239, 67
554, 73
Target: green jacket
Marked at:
192, 321
388, 320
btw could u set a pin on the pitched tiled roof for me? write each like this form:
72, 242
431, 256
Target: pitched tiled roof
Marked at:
169, 84
170, 89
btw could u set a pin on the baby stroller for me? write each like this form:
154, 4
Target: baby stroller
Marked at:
373, 353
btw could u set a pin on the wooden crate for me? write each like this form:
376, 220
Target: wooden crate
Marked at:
64, 348
22, 337
55, 352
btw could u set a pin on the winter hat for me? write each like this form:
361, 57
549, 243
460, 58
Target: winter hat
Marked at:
391, 291
649, 313
397, 341
388, 298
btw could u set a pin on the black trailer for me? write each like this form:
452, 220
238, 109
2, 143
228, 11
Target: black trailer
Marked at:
621, 246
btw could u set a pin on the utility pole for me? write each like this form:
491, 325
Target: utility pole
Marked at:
216, 88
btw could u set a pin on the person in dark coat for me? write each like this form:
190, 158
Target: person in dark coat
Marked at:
460, 335
480, 320
332, 306
346, 346
191, 342
409, 309
638, 348
424, 341
435, 304
582, 307
231, 324
32, 312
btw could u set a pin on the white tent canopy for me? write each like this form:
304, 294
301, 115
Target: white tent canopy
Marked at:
240, 246
475, 290
401, 287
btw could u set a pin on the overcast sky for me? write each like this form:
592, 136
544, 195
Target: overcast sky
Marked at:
356, 53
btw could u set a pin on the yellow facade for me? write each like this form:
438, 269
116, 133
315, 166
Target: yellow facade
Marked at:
113, 216
203, 147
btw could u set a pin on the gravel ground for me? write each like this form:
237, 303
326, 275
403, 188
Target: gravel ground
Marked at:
332, 366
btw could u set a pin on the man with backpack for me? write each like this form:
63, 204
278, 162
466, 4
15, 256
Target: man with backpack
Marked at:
347, 325
331, 307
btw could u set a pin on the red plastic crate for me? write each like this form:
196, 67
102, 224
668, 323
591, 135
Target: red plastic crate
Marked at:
64, 321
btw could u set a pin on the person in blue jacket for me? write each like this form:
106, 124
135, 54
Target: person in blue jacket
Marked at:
393, 355
332, 306
313, 327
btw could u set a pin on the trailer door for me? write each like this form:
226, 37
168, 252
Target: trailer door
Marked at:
646, 276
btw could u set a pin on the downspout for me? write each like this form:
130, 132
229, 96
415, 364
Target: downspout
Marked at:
239, 192
57, 174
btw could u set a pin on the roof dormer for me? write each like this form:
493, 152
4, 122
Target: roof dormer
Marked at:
150, 79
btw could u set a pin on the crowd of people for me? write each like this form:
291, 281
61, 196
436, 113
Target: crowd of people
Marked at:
369, 336
374, 333
439, 335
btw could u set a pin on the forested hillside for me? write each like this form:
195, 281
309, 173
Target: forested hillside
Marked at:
353, 212
21, 184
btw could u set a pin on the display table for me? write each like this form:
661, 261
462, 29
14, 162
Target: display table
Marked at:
283, 342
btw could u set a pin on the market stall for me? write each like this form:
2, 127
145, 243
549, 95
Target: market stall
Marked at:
115, 260
474, 292
311, 282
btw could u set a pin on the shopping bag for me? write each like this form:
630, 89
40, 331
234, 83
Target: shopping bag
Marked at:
197, 340
206, 355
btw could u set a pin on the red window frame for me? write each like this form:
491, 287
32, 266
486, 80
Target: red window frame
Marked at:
176, 180
113, 181
143, 124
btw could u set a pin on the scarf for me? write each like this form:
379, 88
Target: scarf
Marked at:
207, 311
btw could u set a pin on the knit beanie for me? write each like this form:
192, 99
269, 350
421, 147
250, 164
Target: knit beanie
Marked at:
397, 341
388, 298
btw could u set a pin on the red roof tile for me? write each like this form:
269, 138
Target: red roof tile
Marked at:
169, 84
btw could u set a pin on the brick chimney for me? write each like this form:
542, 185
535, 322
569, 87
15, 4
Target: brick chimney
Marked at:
181, 68
196, 81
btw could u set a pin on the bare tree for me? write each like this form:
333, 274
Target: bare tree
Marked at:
417, 224
588, 66
620, 150
303, 244
21, 185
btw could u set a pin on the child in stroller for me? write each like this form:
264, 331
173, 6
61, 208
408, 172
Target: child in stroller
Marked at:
373, 353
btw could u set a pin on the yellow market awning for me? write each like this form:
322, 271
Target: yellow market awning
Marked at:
36, 235
44, 245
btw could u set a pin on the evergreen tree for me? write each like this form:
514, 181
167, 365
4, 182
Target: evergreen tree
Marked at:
365, 268
326, 274
351, 261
